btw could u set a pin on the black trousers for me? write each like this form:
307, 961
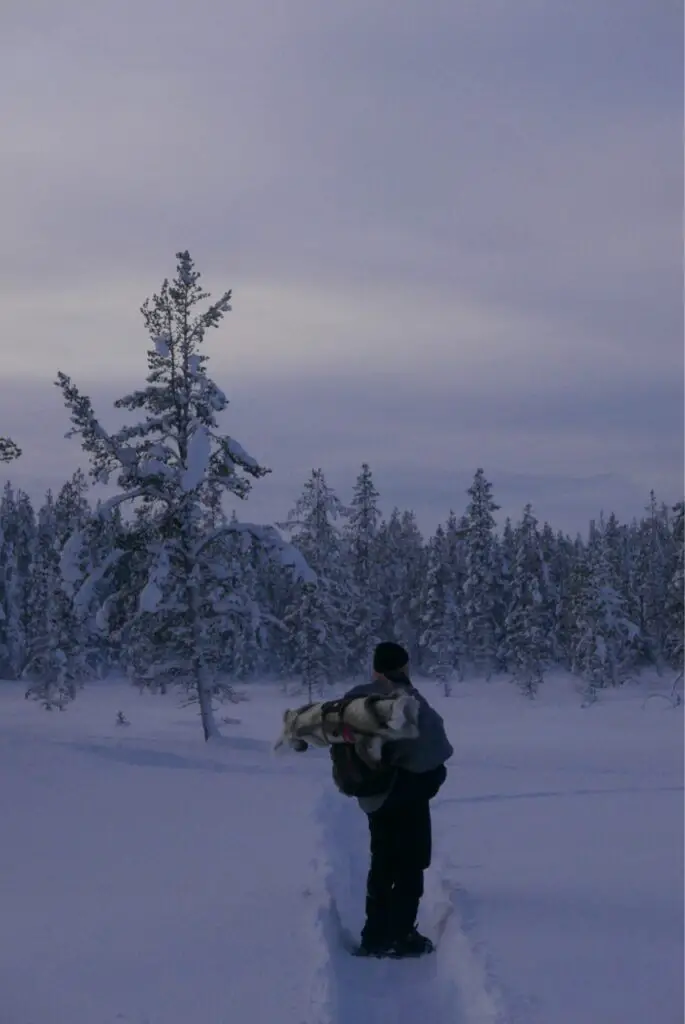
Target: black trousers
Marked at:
400, 852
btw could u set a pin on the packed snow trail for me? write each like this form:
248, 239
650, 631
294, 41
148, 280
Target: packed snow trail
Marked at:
394, 991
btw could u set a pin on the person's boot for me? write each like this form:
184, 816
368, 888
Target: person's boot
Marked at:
413, 943
377, 949
373, 945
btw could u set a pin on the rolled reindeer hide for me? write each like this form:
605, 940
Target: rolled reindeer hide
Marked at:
367, 722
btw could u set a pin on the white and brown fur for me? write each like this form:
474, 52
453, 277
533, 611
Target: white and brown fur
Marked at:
368, 722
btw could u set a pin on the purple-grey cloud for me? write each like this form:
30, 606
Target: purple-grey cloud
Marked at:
454, 224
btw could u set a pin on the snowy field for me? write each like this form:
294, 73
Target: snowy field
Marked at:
149, 878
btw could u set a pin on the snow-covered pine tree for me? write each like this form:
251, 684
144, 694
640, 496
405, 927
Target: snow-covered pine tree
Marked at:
173, 466
402, 564
406, 607
17, 542
7, 529
455, 557
573, 568
437, 639
651, 583
74, 520
55, 658
263, 628
309, 619
505, 553
605, 640
527, 647
72, 509
238, 629
44, 580
675, 604
97, 578
480, 587
9, 450
389, 548
275, 597
362, 541
322, 612
557, 563
615, 545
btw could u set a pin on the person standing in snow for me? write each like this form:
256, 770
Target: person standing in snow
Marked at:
400, 819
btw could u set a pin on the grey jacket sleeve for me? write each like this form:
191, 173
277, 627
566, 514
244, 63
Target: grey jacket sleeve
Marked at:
431, 748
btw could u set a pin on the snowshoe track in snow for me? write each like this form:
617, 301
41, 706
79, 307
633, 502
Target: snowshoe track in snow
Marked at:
450, 986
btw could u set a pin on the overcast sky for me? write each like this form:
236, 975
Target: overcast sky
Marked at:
452, 229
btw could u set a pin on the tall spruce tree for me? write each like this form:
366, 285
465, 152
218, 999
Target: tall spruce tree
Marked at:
320, 613
389, 547
675, 604
480, 586
173, 467
56, 661
362, 540
410, 574
505, 555
437, 639
456, 532
652, 562
527, 646
314, 649
605, 637
17, 548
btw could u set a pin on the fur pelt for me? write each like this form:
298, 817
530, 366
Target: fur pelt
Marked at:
368, 722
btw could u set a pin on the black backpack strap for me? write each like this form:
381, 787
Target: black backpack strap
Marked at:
334, 707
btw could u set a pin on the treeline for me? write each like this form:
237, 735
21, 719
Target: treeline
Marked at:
80, 593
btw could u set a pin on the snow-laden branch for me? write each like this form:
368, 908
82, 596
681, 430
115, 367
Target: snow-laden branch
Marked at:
105, 508
269, 538
84, 594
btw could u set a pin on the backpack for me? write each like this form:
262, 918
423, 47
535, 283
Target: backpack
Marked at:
354, 777
351, 774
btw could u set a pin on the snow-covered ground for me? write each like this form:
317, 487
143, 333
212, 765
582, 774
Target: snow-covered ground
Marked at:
149, 878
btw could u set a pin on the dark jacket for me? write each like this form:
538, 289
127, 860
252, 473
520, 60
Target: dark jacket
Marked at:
418, 761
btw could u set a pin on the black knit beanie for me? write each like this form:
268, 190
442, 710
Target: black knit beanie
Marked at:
389, 657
